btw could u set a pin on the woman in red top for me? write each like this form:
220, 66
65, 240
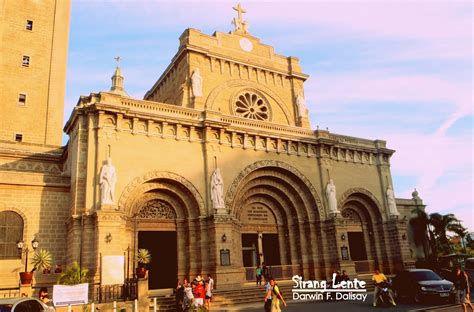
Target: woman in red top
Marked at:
199, 292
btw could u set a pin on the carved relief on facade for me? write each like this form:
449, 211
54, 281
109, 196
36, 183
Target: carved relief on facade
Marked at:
157, 209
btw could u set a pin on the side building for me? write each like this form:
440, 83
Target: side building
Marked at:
34, 192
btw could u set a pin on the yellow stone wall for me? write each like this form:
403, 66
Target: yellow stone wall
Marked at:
227, 70
44, 81
33, 185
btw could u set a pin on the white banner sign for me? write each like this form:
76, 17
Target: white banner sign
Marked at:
70, 295
113, 268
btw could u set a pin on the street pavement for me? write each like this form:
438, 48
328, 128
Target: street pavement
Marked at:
352, 306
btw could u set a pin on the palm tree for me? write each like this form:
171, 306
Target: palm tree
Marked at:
421, 231
461, 231
441, 224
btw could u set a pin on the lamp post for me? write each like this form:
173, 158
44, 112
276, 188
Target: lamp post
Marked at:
23, 248
26, 277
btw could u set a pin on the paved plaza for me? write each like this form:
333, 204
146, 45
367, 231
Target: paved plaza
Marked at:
352, 306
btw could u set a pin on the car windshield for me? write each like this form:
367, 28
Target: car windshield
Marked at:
425, 276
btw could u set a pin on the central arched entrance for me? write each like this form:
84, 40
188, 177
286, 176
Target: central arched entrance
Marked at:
276, 206
259, 230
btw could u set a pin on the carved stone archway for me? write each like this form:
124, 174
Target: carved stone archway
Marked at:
133, 189
317, 213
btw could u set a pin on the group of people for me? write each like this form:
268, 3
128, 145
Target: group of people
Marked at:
192, 295
261, 271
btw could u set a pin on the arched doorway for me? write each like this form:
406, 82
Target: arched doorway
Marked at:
277, 206
260, 241
362, 219
156, 231
164, 211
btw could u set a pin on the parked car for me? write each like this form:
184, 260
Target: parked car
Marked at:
23, 305
422, 284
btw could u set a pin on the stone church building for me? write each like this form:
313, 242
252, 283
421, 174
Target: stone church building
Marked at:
215, 170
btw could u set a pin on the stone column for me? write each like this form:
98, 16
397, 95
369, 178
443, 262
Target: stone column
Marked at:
194, 252
316, 254
292, 241
305, 250
260, 250
183, 252
227, 236
283, 243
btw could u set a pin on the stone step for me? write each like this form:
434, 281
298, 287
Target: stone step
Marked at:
239, 295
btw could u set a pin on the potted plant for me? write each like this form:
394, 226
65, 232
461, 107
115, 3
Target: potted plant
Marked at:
73, 275
143, 258
42, 260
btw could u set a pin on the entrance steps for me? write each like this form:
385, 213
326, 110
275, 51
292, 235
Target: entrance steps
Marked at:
228, 297
237, 295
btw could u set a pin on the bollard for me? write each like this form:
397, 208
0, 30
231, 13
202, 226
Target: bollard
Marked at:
115, 306
92, 307
154, 304
69, 308
135, 308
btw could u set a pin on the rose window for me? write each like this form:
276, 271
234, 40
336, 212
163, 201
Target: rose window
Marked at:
252, 106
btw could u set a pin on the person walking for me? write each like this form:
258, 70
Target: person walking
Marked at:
209, 289
463, 289
179, 296
265, 271
258, 275
268, 296
188, 295
276, 296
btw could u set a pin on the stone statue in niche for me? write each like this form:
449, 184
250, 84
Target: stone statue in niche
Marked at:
331, 196
107, 181
196, 83
392, 205
217, 190
301, 106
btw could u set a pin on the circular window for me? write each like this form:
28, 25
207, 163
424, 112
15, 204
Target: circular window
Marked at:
251, 105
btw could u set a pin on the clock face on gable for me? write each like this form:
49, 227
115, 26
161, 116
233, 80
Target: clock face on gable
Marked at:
246, 45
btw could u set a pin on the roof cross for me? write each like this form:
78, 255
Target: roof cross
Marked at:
238, 22
117, 59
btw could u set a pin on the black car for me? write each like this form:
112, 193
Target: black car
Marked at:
421, 284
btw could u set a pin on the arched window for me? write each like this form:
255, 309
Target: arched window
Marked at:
11, 231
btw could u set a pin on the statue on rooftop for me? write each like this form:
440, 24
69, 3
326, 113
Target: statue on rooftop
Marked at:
196, 83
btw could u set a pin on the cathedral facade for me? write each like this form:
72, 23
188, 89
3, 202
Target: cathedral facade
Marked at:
215, 171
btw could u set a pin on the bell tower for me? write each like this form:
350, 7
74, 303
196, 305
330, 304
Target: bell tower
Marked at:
33, 58
234, 74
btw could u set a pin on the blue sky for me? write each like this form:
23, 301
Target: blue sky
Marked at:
394, 70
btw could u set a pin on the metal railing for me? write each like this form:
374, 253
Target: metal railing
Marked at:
110, 293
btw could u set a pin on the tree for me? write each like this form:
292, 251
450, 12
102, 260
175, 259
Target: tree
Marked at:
421, 230
73, 275
460, 231
441, 224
